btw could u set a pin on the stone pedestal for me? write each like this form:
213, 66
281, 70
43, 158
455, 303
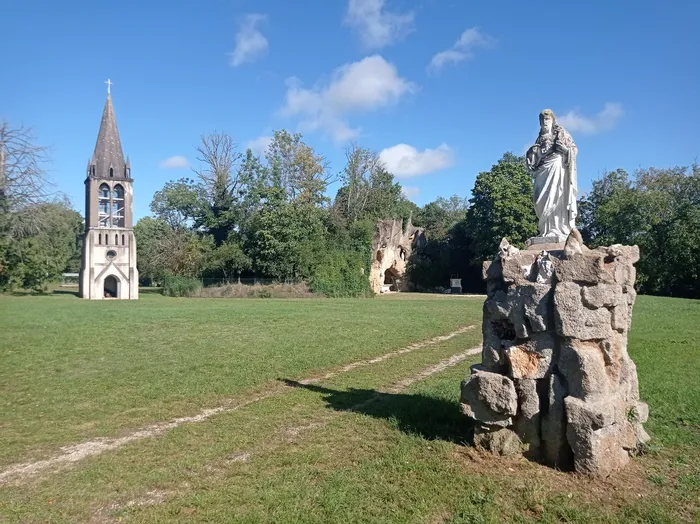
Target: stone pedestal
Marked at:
544, 243
555, 381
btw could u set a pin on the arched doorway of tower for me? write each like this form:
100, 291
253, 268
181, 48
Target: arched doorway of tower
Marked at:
111, 287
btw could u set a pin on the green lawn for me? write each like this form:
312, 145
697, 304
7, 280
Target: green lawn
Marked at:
72, 371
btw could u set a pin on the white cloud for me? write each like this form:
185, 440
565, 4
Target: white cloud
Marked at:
260, 144
175, 162
251, 44
603, 121
463, 49
377, 26
366, 85
406, 161
410, 192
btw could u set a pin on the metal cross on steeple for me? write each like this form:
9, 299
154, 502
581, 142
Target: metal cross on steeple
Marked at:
109, 85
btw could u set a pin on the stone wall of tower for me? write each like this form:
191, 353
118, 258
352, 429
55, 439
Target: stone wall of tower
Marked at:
109, 252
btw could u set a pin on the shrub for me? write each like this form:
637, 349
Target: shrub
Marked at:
177, 286
341, 274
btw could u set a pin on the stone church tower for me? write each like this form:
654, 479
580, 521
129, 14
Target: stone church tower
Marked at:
108, 268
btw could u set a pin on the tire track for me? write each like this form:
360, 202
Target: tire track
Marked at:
77, 452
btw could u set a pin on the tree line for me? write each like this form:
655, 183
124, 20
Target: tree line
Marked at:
40, 234
270, 216
656, 209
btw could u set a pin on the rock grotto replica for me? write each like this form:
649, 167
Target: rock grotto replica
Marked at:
391, 247
555, 381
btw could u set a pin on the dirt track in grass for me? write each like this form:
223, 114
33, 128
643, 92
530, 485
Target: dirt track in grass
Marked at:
77, 452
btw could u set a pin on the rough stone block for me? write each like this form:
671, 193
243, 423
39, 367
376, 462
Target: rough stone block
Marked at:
614, 350
499, 441
598, 452
573, 319
631, 296
519, 268
489, 398
595, 414
537, 303
517, 313
602, 295
492, 270
532, 358
476, 368
627, 254
495, 285
582, 363
642, 436
582, 268
527, 423
505, 250
556, 450
619, 317
638, 412
628, 436
574, 244
492, 356
628, 384
498, 306
624, 273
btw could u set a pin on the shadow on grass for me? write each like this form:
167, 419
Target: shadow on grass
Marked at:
66, 292
430, 417
29, 293
150, 291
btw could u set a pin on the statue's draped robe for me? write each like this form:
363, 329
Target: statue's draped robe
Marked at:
555, 187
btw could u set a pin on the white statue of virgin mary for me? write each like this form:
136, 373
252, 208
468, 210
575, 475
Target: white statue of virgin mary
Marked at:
552, 162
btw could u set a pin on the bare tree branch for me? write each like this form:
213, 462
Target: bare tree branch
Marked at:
218, 152
357, 176
23, 181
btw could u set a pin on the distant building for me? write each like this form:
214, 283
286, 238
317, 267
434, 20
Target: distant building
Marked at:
108, 268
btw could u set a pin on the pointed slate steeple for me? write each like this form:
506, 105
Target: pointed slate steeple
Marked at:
108, 153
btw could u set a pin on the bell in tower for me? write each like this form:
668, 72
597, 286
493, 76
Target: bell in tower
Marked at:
108, 267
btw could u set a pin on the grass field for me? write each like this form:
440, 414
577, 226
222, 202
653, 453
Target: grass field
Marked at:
198, 410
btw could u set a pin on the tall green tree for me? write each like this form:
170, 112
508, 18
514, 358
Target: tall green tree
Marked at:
657, 210
228, 259
501, 206
285, 240
368, 190
439, 216
181, 204
223, 183
39, 232
298, 169
40, 256
149, 233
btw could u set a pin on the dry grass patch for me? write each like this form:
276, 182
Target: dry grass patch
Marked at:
277, 290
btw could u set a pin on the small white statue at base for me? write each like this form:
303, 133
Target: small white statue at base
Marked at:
552, 162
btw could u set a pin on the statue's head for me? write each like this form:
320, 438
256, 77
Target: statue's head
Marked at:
547, 120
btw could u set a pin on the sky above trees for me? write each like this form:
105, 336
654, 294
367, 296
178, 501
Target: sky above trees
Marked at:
440, 89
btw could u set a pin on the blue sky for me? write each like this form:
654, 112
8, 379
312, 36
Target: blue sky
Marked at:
442, 88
